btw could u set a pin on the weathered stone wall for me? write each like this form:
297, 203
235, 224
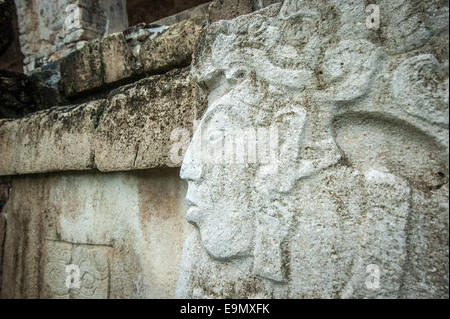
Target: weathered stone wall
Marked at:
357, 192
50, 30
124, 230
129, 130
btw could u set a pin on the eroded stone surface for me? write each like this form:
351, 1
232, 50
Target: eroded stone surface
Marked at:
122, 57
97, 64
136, 126
51, 140
125, 232
94, 263
357, 198
131, 129
173, 48
83, 69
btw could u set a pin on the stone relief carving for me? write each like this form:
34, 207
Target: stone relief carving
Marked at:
93, 262
362, 148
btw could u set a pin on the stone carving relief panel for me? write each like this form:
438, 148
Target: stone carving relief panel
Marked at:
357, 197
91, 267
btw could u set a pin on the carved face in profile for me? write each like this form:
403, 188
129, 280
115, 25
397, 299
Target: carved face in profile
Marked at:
264, 73
252, 102
258, 86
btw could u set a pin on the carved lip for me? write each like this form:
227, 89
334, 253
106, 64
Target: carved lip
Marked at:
193, 214
190, 202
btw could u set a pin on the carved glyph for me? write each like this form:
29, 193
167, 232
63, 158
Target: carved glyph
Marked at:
92, 270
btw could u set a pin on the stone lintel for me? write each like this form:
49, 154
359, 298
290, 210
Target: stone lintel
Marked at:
129, 130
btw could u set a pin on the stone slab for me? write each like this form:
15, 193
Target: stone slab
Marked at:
129, 130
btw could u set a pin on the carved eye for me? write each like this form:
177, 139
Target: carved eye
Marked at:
240, 74
237, 75
215, 136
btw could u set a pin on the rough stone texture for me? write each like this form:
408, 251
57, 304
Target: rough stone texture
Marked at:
98, 63
129, 130
135, 128
50, 30
124, 230
120, 58
82, 70
51, 140
46, 85
360, 178
2, 241
173, 48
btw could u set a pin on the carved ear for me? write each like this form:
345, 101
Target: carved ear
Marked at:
281, 173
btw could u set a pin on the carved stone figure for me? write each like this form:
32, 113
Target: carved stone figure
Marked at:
354, 203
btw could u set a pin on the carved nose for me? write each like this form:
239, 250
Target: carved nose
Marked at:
190, 169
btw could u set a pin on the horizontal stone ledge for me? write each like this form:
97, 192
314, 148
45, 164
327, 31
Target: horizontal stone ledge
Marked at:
127, 55
129, 130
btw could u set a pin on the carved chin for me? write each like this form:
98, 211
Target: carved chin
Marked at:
218, 249
226, 242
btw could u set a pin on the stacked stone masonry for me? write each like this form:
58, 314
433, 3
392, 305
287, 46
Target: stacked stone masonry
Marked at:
111, 116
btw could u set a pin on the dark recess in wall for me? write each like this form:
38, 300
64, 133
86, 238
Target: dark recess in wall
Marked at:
11, 57
149, 11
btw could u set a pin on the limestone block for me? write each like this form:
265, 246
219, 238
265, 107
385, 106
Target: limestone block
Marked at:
117, 58
136, 127
229, 9
121, 234
82, 70
52, 140
355, 191
173, 48
29, 224
143, 125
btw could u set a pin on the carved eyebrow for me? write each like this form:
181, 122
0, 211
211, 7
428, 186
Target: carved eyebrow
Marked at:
231, 113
